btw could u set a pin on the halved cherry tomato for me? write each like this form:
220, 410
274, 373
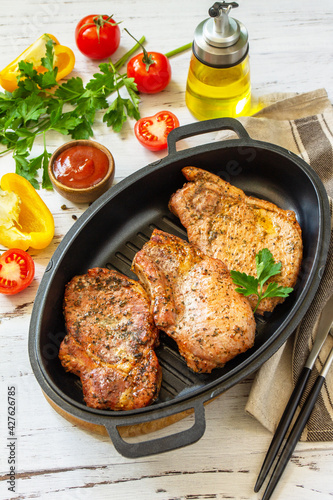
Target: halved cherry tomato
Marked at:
97, 37
17, 270
152, 131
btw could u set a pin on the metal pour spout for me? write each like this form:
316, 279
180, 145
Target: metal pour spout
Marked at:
220, 11
220, 40
221, 30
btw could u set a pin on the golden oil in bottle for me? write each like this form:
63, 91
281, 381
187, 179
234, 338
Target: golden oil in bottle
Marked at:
218, 81
217, 92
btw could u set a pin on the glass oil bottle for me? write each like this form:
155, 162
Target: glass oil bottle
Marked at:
218, 82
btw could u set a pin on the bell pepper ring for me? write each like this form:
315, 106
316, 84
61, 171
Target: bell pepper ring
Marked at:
34, 225
64, 60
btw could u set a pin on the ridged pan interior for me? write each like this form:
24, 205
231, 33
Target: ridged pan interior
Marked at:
117, 225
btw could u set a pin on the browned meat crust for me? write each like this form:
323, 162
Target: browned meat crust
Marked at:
110, 341
226, 224
194, 301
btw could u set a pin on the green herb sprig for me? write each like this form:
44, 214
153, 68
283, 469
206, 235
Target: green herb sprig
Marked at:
40, 105
266, 268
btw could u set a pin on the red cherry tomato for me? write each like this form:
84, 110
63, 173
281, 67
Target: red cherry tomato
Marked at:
150, 75
97, 37
17, 270
152, 131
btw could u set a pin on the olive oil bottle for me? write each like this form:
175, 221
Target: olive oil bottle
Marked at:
218, 82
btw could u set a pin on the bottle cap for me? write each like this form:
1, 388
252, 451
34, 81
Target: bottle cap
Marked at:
220, 41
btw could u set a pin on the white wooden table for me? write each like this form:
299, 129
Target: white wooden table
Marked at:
291, 51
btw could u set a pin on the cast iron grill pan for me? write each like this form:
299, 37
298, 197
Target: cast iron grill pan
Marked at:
117, 225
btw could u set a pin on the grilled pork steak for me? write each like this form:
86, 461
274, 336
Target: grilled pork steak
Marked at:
194, 301
226, 224
110, 340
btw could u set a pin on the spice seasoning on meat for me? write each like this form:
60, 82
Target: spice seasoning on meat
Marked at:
110, 340
228, 225
194, 301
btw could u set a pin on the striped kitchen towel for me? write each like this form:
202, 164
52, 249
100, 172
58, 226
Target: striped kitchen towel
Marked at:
302, 124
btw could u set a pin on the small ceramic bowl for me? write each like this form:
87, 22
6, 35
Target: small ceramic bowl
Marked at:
86, 194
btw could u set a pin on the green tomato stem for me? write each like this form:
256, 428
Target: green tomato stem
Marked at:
6, 151
138, 45
128, 54
179, 50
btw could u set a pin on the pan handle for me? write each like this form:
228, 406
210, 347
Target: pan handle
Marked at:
159, 445
204, 127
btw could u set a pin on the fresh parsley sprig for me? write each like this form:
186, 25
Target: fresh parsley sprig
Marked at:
266, 268
40, 105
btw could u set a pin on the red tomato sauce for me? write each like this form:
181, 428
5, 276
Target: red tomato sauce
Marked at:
81, 166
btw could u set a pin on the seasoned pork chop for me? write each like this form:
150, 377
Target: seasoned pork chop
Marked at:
194, 301
110, 340
228, 225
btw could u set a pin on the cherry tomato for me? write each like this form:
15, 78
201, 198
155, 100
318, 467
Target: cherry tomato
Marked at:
97, 36
17, 270
152, 131
150, 75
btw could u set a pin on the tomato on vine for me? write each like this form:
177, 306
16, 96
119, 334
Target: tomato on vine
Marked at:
97, 37
151, 71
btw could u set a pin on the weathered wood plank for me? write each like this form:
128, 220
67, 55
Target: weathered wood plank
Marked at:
291, 51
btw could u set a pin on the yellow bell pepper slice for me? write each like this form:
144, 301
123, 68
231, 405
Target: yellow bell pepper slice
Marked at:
64, 59
29, 222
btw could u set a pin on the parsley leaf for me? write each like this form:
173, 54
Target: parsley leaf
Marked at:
103, 82
115, 115
38, 81
71, 90
26, 71
248, 284
31, 108
121, 107
69, 109
266, 268
132, 90
66, 123
26, 168
48, 60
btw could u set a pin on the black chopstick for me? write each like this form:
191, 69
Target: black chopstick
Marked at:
297, 429
283, 426
324, 325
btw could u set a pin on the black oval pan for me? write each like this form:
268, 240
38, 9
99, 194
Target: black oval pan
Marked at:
116, 226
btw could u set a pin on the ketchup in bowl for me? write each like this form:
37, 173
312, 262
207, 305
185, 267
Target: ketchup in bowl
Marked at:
81, 167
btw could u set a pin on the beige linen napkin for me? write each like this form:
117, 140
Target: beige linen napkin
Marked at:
304, 125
